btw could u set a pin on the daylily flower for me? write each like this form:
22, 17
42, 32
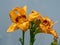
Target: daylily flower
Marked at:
34, 15
47, 25
19, 19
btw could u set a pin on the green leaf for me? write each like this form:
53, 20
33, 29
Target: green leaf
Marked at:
21, 40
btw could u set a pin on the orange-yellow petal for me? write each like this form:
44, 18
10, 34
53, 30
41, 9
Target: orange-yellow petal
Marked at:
18, 11
51, 23
43, 28
48, 30
24, 26
12, 27
34, 15
53, 32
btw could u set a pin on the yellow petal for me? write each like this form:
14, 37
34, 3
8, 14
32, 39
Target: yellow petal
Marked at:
14, 13
12, 27
50, 22
34, 15
48, 30
25, 8
43, 28
53, 32
24, 26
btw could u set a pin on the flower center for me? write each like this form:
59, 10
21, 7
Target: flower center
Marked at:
45, 22
20, 17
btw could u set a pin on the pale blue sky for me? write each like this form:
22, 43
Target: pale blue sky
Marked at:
49, 8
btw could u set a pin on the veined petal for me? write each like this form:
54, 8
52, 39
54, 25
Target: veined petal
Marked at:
12, 27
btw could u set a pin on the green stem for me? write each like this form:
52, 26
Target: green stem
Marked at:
32, 38
55, 42
23, 38
33, 31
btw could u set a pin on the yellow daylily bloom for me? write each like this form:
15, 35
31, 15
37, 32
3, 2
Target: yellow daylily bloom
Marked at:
18, 11
47, 25
19, 19
34, 15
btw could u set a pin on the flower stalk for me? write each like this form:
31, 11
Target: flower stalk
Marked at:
33, 30
23, 38
32, 36
55, 42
